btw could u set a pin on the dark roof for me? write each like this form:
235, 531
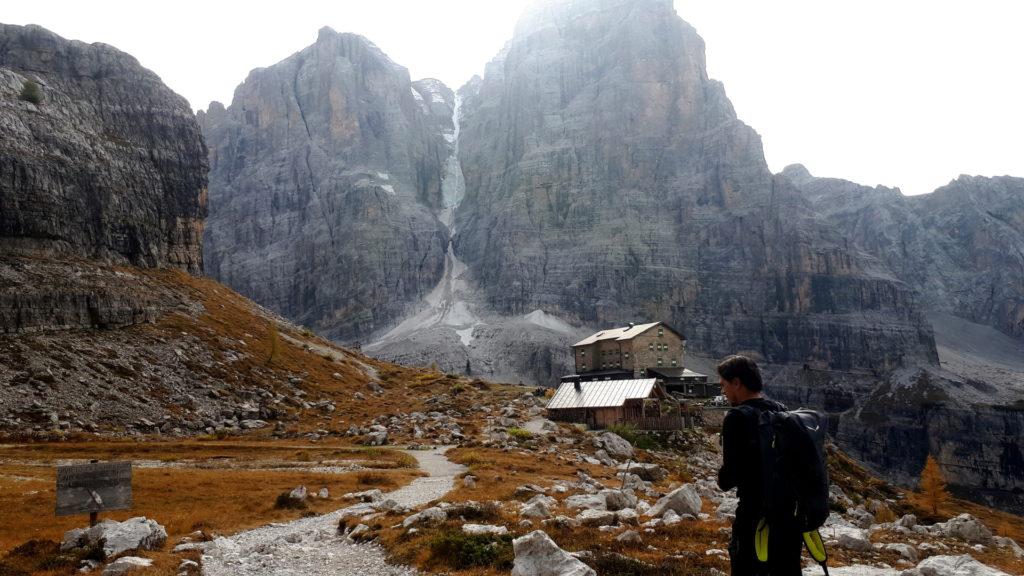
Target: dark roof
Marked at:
595, 374
675, 372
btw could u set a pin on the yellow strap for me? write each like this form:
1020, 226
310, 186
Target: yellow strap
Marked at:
761, 541
815, 546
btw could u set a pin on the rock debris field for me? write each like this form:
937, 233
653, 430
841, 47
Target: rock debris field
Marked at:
313, 546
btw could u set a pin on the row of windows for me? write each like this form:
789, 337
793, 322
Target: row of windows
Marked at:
660, 347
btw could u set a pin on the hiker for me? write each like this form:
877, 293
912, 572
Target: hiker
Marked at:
741, 384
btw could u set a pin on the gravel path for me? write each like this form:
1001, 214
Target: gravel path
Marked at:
312, 547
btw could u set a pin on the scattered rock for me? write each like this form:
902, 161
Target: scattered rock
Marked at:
596, 518
118, 537
616, 446
967, 528
432, 515
484, 529
682, 500
125, 565
298, 494
629, 537
963, 565
537, 555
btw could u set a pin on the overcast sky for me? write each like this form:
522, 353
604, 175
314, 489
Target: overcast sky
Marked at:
901, 93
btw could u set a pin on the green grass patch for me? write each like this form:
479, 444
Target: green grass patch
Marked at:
460, 551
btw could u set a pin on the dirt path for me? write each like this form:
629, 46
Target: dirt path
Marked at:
312, 546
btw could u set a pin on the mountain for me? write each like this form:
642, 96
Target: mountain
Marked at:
961, 247
109, 164
672, 215
325, 172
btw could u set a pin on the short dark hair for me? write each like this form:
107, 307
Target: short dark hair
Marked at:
744, 368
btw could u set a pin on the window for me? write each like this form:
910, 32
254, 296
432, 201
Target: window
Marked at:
661, 332
626, 355
659, 362
602, 365
651, 346
673, 362
583, 353
583, 368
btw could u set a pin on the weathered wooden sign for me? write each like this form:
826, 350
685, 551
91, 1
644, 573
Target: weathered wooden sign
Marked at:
91, 488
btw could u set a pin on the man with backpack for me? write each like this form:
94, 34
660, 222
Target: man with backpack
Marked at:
775, 460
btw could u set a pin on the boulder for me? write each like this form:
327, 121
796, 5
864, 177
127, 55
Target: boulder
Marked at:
967, 528
132, 534
963, 565
906, 551
727, 507
365, 496
646, 471
299, 494
561, 523
617, 499
616, 446
469, 482
596, 518
629, 537
682, 500
587, 501
125, 565
855, 541
484, 529
670, 517
535, 509
536, 554
432, 515
324, 493
907, 521
627, 516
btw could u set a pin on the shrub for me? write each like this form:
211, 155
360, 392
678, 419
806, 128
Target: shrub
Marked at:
373, 479
461, 551
638, 440
520, 434
286, 502
31, 92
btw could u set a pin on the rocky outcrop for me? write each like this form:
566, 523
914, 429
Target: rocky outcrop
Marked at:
109, 164
325, 172
672, 215
961, 247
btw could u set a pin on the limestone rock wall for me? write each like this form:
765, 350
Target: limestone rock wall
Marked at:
110, 165
325, 170
609, 180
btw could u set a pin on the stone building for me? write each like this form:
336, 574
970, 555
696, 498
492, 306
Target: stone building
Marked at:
654, 350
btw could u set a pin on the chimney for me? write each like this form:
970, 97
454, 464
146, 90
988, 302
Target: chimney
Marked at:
631, 324
576, 385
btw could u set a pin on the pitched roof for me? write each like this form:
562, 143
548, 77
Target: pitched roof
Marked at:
600, 393
624, 333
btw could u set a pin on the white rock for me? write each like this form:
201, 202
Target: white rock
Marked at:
469, 481
125, 565
537, 555
907, 551
855, 570
670, 518
484, 529
629, 537
907, 521
855, 541
323, 493
596, 518
627, 516
298, 493
616, 446
727, 507
617, 499
963, 565
429, 516
966, 527
682, 500
536, 509
588, 501
134, 533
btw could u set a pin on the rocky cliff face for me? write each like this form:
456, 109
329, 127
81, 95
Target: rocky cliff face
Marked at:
109, 165
961, 247
608, 180
325, 172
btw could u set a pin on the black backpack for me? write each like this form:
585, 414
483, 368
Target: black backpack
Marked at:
793, 467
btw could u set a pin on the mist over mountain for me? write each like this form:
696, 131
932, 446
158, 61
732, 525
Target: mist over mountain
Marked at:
593, 176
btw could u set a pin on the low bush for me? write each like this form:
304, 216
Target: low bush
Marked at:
31, 92
286, 502
637, 439
460, 551
520, 433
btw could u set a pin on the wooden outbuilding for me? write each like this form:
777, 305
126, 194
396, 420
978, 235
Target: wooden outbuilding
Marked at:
641, 403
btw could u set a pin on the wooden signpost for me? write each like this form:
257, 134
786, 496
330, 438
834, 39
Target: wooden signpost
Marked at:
93, 488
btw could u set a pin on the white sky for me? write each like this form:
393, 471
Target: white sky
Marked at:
904, 93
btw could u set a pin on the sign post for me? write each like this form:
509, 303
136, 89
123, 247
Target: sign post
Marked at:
93, 488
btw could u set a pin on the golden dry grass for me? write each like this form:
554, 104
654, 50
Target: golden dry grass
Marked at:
206, 495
